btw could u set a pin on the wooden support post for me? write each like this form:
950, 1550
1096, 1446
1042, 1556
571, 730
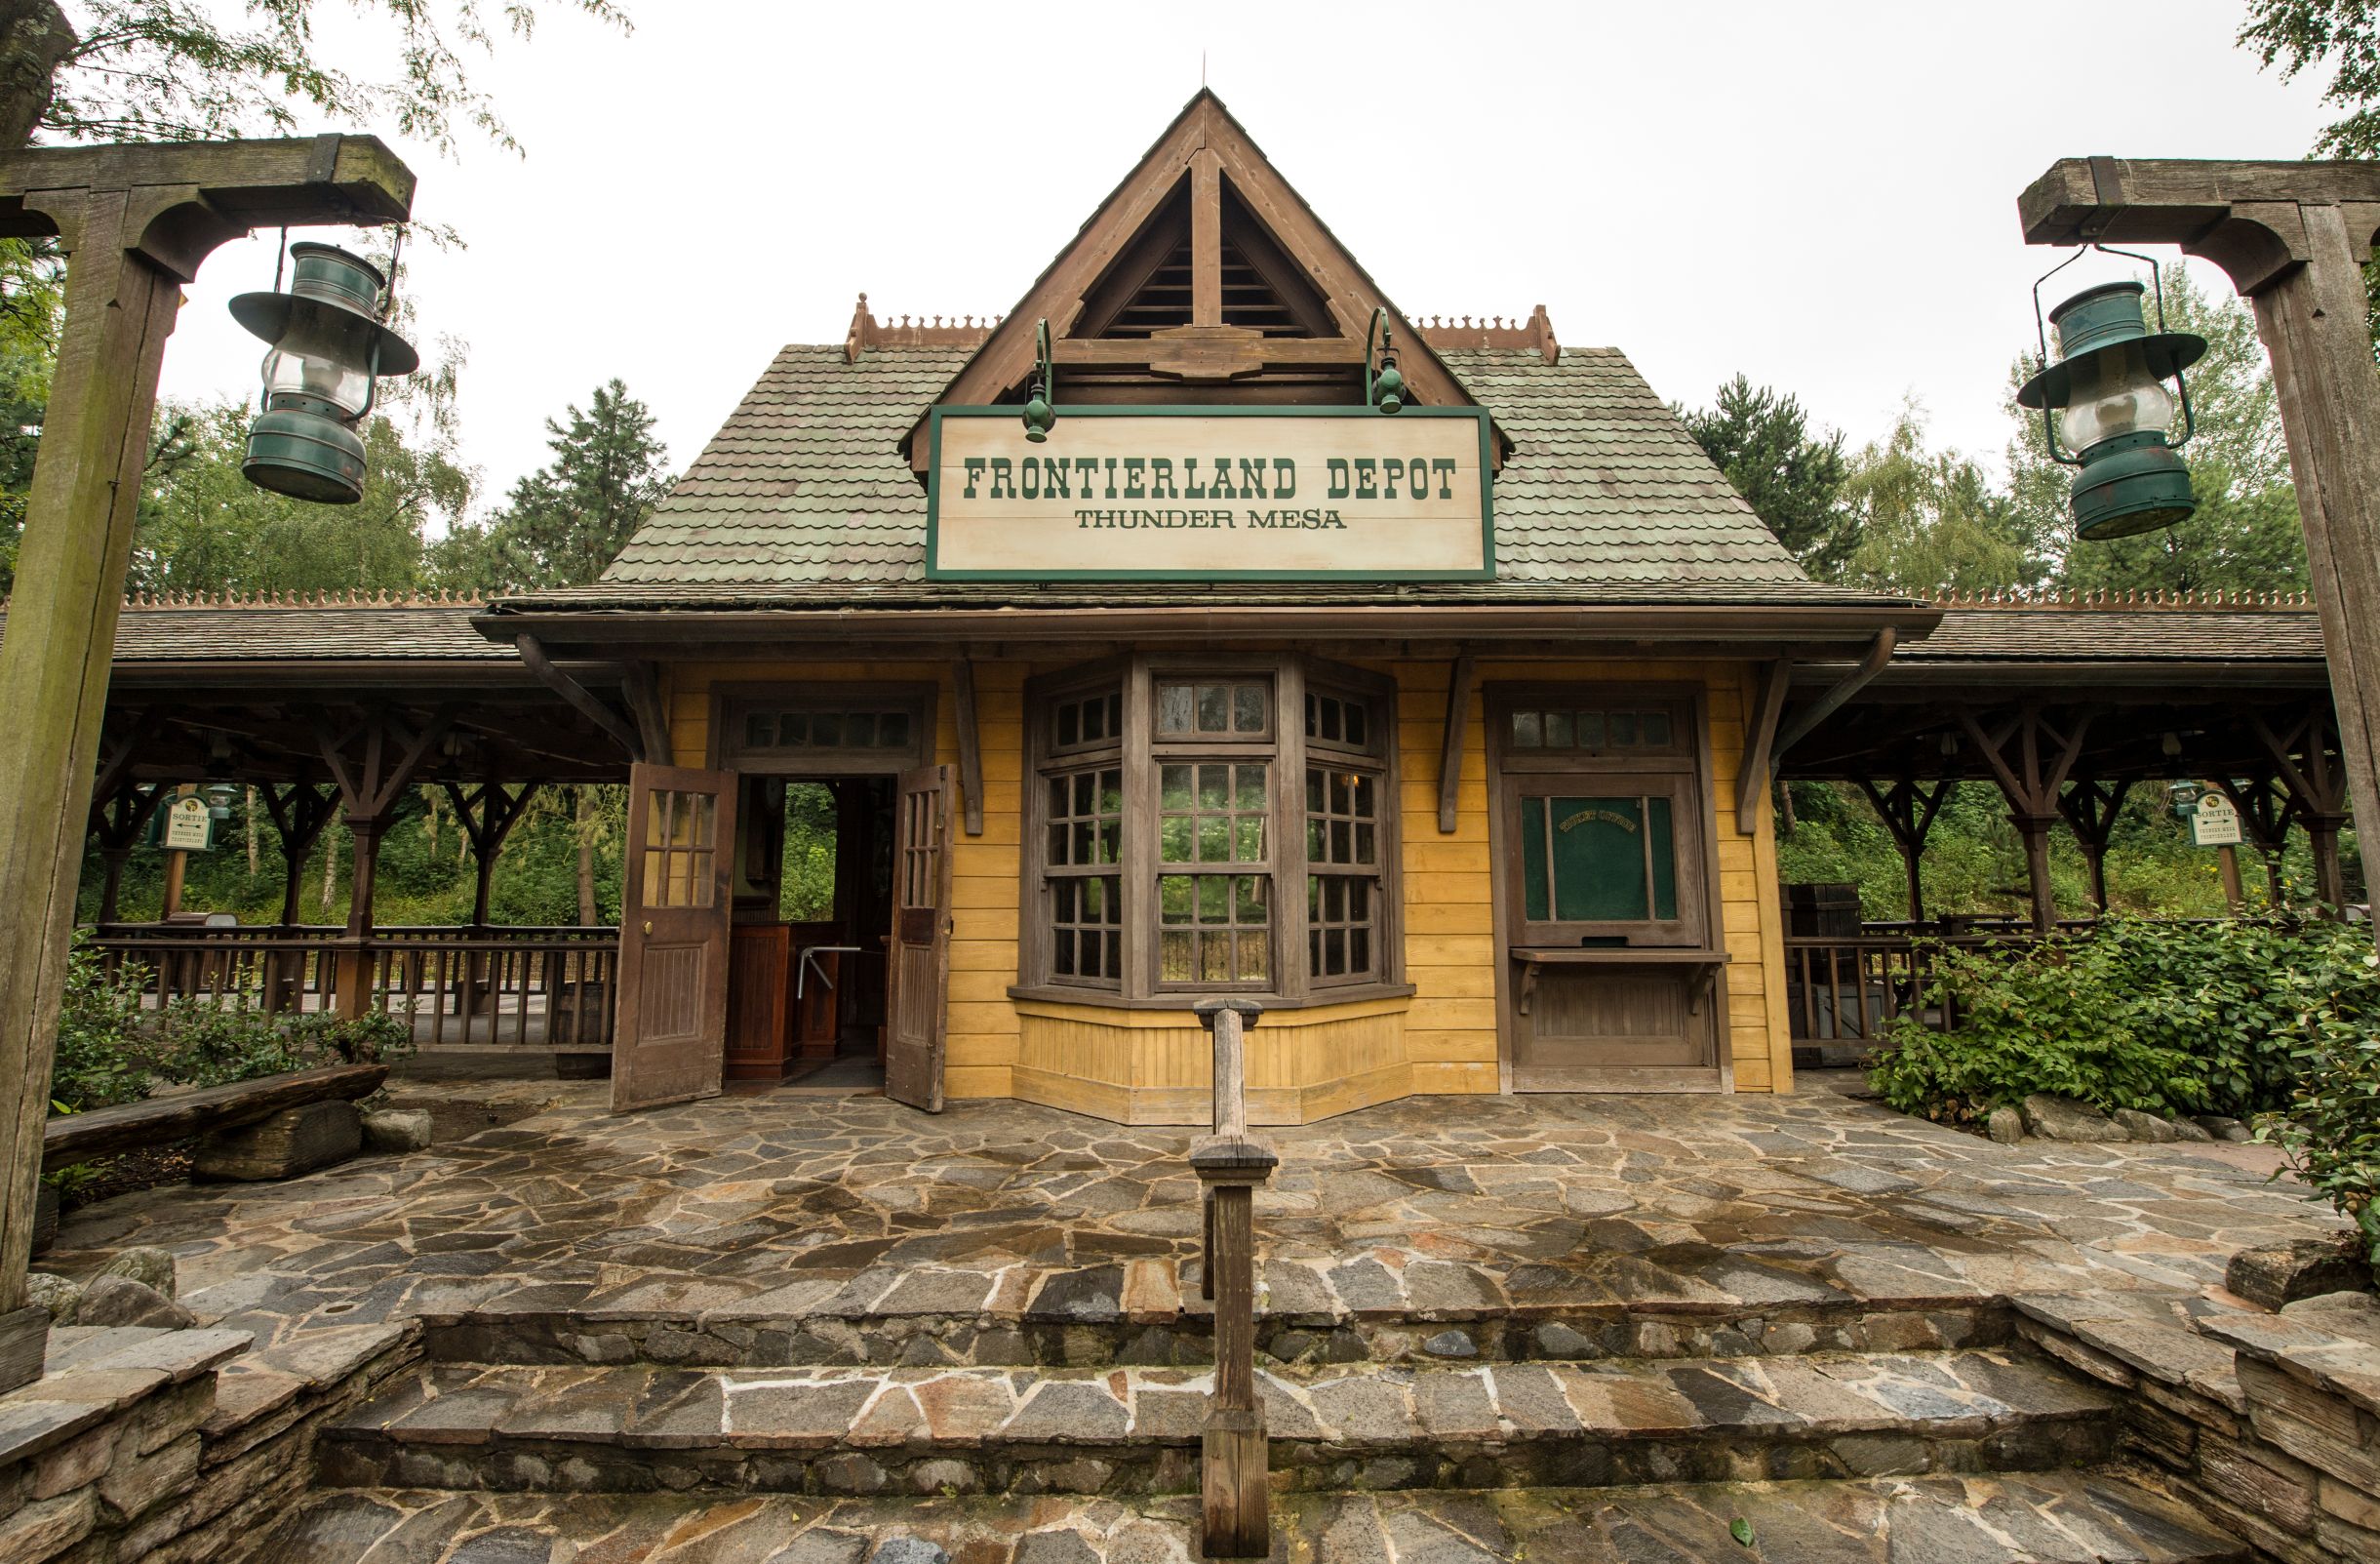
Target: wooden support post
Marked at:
2090, 808
2032, 781
136, 222
2266, 813
176, 869
2293, 237
1451, 742
118, 819
2307, 762
2235, 894
298, 812
1236, 1497
1908, 812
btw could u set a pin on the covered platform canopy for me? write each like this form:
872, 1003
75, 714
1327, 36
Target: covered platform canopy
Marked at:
2065, 703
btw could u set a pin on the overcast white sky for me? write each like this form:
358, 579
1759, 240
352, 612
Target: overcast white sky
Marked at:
1820, 195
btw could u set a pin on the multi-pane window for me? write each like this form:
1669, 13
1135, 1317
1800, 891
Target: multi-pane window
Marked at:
1082, 854
861, 729
1200, 829
678, 849
1593, 729
1213, 886
1342, 872
1211, 708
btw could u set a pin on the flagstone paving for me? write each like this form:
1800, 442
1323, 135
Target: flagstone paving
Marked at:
2041, 1518
1840, 1308
1428, 1210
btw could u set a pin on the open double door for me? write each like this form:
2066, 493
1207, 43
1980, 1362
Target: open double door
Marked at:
670, 1044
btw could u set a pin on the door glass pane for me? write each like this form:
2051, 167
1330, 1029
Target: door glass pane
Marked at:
1599, 860
1664, 859
1534, 901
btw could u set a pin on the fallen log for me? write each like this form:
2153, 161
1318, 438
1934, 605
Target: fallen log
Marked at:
70, 1138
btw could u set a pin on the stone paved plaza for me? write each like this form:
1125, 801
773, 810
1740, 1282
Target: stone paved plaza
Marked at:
784, 1327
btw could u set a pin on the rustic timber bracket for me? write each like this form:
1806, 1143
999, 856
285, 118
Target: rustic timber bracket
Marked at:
177, 203
645, 738
1771, 734
2258, 220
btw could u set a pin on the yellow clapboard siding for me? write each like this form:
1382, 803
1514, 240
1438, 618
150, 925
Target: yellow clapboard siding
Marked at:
1441, 917
1445, 889
1468, 950
1454, 1080
1453, 982
1451, 1015
980, 1080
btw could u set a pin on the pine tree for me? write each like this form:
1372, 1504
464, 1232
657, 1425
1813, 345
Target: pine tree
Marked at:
1762, 441
563, 522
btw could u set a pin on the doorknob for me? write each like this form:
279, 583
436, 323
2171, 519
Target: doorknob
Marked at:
647, 925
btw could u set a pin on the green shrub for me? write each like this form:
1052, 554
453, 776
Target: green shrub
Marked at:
111, 1050
2168, 1018
2330, 1135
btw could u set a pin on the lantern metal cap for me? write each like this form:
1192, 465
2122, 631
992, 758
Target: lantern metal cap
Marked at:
2096, 320
333, 288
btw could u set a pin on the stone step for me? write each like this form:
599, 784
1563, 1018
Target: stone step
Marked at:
2050, 1517
1134, 1431
1147, 1312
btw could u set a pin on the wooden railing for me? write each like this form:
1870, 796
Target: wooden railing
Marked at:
551, 985
1850, 987
1235, 1501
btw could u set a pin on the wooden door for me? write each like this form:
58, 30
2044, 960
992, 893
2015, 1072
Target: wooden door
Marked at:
674, 913
1612, 974
918, 973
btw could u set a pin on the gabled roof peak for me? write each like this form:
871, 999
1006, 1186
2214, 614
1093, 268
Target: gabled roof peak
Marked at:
1205, 269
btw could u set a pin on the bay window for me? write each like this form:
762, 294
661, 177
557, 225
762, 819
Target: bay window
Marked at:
1193, 835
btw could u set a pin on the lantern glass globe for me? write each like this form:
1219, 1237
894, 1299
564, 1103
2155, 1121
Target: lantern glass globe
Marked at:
2114, 393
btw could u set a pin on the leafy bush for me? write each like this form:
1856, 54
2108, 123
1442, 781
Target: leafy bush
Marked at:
2332, 1132
2168, 1018
111, 1050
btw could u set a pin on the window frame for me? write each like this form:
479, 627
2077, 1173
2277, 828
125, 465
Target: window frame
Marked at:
1681, 770
730, 703
1285, 751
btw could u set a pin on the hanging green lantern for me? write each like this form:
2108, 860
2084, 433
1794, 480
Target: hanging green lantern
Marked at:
329, 350
2105, 401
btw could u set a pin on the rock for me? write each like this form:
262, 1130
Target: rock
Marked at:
121, 1301
2351, 1312
397, 1128
906, 1550
1450, 1344
295, 1141
2062, 1118
1055, 1548
54, 1293
2276, 1275
147, 1264
2006, 1125
2190, 1129
2144, 1126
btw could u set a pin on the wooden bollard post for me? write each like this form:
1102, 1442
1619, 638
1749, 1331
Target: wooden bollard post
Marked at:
1230, 1165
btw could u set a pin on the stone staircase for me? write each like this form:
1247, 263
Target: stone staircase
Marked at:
1053, 1418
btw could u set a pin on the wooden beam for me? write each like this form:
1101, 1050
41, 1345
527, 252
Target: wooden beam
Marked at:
1206, 239
1880, 652
1759, 766
971, 748
582, 699
1450, 741
74, 1138
643, 688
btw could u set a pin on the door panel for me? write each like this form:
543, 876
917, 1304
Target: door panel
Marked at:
918, 976
1606, 865
674, 915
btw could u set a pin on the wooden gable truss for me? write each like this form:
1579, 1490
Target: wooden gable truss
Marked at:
1203, 277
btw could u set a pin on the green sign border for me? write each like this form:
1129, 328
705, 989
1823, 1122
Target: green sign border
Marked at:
934, 497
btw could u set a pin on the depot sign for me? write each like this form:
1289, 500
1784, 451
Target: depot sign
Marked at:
1211, 494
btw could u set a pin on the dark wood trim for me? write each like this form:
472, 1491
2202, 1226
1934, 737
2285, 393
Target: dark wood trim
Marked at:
971, 748
643, 688
581, 699
1759, 766
1049, 993
1450, 741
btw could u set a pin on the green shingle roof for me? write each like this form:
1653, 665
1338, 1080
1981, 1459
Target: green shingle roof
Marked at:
804, 496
